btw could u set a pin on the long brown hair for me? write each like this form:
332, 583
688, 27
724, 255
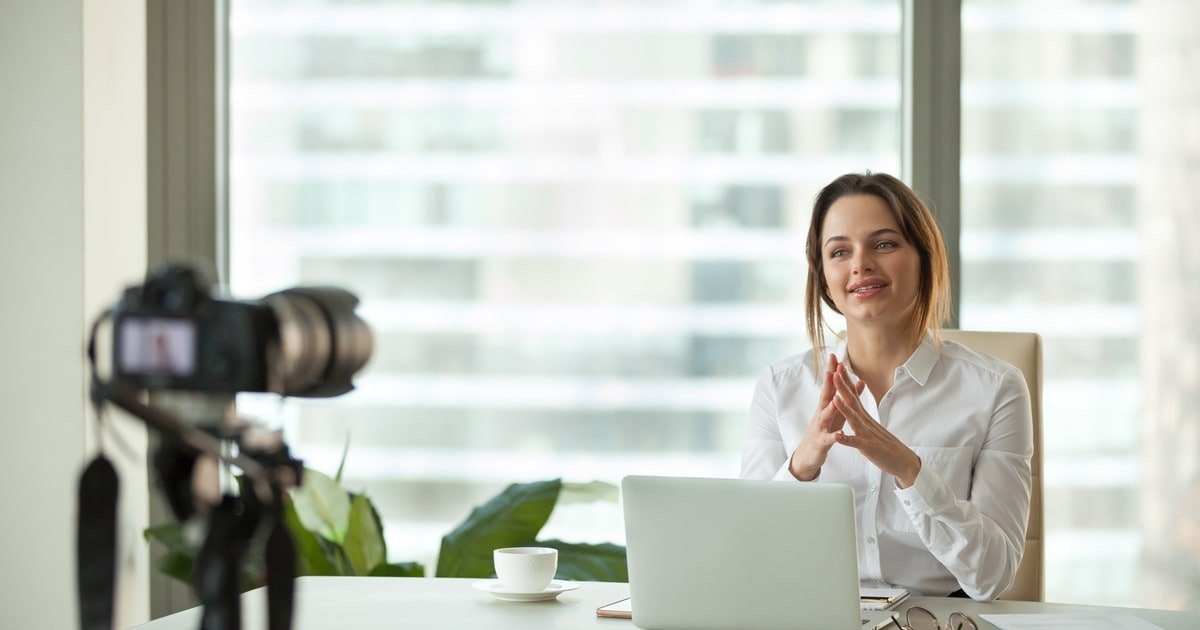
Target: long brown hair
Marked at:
918, 226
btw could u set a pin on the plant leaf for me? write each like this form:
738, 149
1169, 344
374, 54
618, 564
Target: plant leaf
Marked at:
604, 562
177, 565
378, 520
363, 544
311, 555
171, 536
342, 464
323, 506
400, 569
591, 492
512, 518
180, 554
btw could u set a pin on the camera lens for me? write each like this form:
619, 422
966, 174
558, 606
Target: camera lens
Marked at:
322, 342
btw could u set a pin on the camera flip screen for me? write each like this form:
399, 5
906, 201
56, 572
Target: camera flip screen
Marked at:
157, 345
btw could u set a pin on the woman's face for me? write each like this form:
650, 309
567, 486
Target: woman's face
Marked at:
872, 272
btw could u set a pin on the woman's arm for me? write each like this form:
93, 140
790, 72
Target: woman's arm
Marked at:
764, 456
981, 540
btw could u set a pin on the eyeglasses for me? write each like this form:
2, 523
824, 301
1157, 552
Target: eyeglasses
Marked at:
917, 618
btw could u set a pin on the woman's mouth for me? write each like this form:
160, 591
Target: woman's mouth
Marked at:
864, 290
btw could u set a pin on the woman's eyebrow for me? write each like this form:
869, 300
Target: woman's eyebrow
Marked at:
880, 231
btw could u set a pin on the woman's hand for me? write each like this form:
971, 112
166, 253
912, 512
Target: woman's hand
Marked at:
871, 439
826, 424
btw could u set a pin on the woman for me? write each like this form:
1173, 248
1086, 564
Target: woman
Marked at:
935, 439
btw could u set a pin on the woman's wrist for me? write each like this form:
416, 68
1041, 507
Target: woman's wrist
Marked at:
802, 473
909, 477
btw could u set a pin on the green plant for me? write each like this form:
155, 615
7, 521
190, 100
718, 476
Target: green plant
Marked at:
514, 518
336, 532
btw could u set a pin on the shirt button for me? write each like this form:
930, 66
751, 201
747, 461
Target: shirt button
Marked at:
906, 502
872, 488
870, 540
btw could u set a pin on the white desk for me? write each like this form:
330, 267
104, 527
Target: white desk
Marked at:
344, 603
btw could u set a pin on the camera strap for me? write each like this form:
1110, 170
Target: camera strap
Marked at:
96, 544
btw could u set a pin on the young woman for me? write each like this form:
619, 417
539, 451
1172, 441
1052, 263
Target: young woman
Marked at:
935, 439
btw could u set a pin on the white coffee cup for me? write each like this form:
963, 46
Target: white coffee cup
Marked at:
525, 569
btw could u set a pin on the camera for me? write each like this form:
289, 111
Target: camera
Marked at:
193, 352
170, 333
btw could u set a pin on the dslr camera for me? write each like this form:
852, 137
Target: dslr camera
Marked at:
171, 334
193, 353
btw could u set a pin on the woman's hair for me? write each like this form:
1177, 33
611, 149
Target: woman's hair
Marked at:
918, 227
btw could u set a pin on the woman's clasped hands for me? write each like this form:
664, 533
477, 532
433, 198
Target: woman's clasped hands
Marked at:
838, 406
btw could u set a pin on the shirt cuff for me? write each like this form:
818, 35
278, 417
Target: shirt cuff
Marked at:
928, 495
785, 474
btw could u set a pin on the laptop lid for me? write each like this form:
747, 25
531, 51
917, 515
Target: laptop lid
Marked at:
731, 553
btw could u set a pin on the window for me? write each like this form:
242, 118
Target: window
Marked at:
577, 229
1075, 224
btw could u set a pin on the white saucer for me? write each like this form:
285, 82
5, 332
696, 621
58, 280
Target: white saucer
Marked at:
550, 592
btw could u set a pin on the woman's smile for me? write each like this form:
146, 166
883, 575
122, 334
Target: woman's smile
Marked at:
866, 289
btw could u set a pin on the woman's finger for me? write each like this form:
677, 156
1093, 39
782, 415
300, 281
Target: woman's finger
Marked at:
828, 388
850, 392
850, 417
831, 418
853, 441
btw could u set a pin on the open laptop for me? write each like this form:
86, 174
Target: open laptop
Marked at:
729, 553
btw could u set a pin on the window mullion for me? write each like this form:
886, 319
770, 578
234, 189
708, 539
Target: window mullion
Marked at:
930, 147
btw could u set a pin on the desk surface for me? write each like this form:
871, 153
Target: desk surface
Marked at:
326, 603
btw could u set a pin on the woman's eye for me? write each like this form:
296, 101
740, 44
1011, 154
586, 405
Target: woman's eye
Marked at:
837, 253
885, 245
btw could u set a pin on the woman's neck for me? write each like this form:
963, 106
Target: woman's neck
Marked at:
875, 353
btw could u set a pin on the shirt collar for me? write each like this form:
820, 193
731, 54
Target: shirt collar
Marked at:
918, 366
921, 363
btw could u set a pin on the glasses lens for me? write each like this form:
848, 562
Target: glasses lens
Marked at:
959, 621
918, 618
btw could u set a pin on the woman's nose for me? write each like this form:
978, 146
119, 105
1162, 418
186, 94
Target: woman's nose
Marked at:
862, 263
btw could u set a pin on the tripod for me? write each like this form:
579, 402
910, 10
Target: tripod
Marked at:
234, 525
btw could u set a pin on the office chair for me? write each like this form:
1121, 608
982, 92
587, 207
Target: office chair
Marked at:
1023, 350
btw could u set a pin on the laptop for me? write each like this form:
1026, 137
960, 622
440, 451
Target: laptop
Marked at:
730, 553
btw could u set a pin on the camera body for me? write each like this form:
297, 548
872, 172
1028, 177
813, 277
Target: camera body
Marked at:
171, 334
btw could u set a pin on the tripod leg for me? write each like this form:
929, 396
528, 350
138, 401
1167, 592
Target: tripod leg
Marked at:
216, 569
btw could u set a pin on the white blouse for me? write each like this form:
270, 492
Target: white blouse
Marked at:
968, 416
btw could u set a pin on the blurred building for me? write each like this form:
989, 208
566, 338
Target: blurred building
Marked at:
1050, 244
577, 228
1170, 306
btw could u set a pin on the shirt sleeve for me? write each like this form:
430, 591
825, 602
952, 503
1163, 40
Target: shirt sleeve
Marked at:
981, 540
764, 456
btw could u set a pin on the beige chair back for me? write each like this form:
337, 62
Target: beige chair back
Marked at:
1023, 350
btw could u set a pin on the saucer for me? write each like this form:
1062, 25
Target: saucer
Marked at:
550, 592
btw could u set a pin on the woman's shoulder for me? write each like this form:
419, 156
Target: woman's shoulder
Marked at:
964, 358
791, 368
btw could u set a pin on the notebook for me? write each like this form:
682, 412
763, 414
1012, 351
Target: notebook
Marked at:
730, 553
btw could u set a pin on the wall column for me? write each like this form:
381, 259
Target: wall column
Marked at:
72, 234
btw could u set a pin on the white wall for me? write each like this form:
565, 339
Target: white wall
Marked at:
72, 232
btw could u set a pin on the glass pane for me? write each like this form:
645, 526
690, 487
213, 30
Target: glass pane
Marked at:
576, 227
1076, 224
